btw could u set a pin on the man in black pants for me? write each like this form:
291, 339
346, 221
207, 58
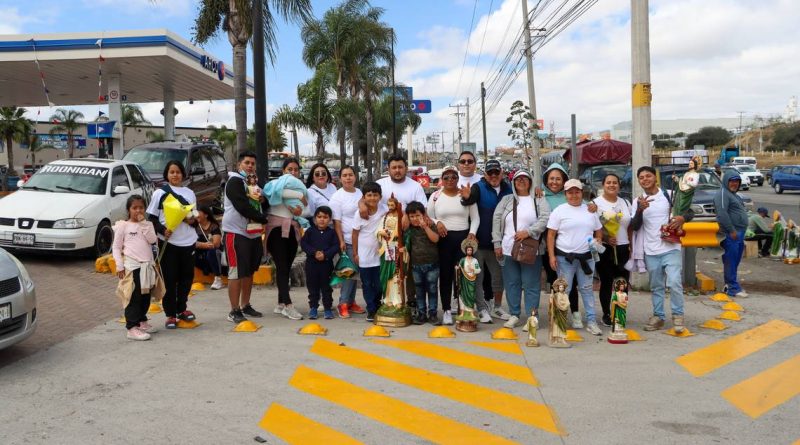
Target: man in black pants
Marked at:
242, 250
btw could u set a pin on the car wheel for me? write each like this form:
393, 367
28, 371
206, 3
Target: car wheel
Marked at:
778, 188
103, 238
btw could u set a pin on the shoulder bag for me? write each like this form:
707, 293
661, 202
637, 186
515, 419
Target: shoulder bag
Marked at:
527, 250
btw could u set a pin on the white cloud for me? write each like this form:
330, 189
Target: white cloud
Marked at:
13, 21
162, 8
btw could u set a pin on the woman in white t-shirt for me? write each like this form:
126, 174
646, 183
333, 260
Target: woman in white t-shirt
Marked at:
344, 204
177, 262
320, 190
615, 213
570, 253
531, 221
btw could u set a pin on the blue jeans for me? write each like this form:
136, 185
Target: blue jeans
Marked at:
669, 264
426, 277
734, 249
371, 286
348, 293
569, 271
518, 277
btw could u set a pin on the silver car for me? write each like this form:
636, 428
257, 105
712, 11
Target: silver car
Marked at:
17, 301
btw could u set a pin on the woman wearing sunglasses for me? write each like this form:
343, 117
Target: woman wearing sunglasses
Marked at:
320, 190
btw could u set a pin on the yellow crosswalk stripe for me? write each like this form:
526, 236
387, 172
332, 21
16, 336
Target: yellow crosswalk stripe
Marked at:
466, 360
766, 390
504, 346
393, 412
724, 352
522, 410
295, 428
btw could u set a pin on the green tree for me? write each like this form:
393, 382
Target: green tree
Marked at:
226, 139
132, 116
316, 111
787, 135
154, 136
66, 121
14, 126
521, 132
276, 139
35, 146
294, 118
234, 18
709, 136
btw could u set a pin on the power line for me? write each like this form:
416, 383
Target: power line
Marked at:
480, 51
466, 50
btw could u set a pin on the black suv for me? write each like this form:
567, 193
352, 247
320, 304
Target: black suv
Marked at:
206, 169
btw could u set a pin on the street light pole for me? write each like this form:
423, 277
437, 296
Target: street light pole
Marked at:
642, 96
483, 121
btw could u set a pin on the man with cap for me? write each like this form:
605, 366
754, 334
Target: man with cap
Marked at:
733, 221
762, 227
486, 193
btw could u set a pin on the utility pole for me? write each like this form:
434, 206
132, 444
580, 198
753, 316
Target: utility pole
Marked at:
394, 108
739, 132
641, 92
467, 105
458, 115
526, 32
483, 122
260, 92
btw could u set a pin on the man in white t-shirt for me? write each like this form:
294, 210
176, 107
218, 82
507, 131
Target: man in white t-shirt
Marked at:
466, 170
399, 184
662, 259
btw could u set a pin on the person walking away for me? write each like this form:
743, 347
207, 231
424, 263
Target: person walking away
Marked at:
663, 260
421, 243
344, 204
243, 250
762, 227
732, 219
467, 176
177, 262
209, 240
320, 244
520, 216
365, 246
615, 215
138, 279
572, 230
454, 223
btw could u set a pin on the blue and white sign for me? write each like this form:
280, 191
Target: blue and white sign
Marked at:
421, 106
215, 66
59, 141
97, 130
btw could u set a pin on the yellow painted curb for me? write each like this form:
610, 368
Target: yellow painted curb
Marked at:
730, 315
714, 324
705, 283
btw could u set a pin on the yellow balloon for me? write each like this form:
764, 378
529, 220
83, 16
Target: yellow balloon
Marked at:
175, 212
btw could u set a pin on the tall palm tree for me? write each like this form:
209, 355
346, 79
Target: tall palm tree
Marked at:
294, 118
132, 116
35, 146
234, 18
276, 139
14, 126
66, 120
374, 79
318, 109
226, 139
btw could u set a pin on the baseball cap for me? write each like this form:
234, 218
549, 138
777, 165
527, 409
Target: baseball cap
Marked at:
494, 164
573, 183
449, 168
763, 210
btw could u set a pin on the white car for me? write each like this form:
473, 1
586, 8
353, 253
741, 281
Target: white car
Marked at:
749, 172
70, 206
18, 318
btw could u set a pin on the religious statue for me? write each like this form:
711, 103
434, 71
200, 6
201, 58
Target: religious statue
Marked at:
792, 255
559, 311
467, 271
619, 311
533, 324
393, 312
778, 236
254, 197
682, 198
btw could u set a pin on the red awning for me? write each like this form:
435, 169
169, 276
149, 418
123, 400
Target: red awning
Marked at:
603, 151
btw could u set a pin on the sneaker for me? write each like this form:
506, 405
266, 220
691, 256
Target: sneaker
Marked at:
248, 310
171, 323
677, 323
356, 309
236, 316
186, 316
593, 329
279, 309
742, 294
512, 322
217, 284
485, 317
447, 317
312, 313
654, 323
433, 318
135, 333
291, 313
576, 321
147, 327
421, 318
499, 312
371, 316
606, 320
328, 314
344, 312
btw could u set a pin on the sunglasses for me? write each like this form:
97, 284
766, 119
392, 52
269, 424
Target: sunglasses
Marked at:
449, 177
320, 174
466, 161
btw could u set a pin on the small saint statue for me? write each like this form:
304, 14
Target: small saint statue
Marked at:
393, 312
682, 198
533, 324
619, 311
467, 271
559, 311
254, 197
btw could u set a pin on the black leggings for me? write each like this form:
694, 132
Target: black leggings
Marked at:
608, 272
449, 254
283, 251
136, 310
552, 275
177, 265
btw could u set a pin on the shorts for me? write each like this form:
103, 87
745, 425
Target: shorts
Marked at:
243, 255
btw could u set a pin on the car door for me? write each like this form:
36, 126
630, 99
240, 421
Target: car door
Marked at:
117, 210
198, 181
793, 179
138, 184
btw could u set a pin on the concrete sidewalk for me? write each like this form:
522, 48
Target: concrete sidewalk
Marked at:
210, 385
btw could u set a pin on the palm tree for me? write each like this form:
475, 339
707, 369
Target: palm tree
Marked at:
66, 120
374, 79
35, 146
226, 139
276, 139
154, 136
234, 17
291, 117
317, 108
14, 126
132, 116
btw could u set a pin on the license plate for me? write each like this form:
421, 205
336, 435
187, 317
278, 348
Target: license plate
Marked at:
24, 239
5, 312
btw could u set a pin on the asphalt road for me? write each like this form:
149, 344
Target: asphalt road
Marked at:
788, 203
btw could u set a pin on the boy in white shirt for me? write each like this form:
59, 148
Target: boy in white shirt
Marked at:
365, 247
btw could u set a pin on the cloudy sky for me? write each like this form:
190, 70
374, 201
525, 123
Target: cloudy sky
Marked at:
709, 58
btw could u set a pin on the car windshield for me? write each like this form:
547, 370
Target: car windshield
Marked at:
153, 159
708, 179
619, 170
69, 179
746, 168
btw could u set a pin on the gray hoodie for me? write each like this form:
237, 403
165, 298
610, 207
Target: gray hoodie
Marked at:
506, 206
731, 212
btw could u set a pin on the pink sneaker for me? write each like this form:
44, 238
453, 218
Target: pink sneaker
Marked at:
135, 333
147, 327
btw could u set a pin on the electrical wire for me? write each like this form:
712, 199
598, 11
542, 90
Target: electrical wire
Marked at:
466, 50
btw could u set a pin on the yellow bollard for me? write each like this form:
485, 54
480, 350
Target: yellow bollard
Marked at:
504, 334
376, 331
263, 275
313, 329
732, 306
700, 234
441, 332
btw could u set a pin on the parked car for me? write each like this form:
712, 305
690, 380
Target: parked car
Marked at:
70, 206
768, 174
748, 171
592, 178
206, 170
786, 177
18, 318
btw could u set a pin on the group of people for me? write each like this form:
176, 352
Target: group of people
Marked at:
513, 230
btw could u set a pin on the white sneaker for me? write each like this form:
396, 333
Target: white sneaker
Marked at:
593, 329
512, 322
217, 283
447, 318
147, 327
290, 312
741, 294
499, 312
576, 321
485, 317
135, 333
279, 309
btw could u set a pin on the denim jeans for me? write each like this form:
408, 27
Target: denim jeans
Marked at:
669, 264
490, 265
569, 271
734, 249
371, 286
518, 277
426, 278
348, 293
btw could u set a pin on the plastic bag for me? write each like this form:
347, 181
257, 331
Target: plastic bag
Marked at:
344, 270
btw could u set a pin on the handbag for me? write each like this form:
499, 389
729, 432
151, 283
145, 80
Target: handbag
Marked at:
527, 250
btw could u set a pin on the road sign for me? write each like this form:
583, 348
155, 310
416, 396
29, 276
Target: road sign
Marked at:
421, 106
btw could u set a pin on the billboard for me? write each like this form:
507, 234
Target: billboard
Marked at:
59, 141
